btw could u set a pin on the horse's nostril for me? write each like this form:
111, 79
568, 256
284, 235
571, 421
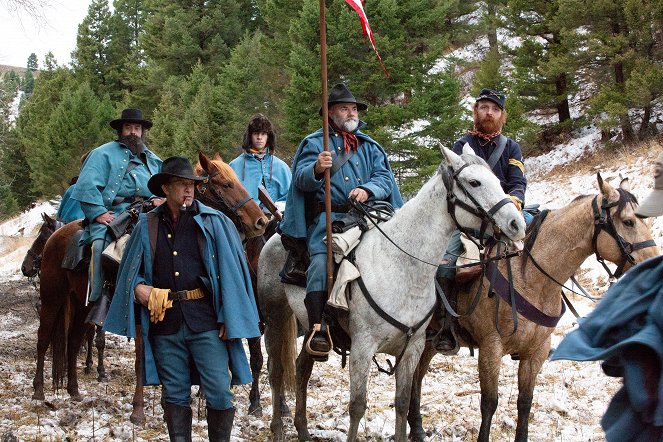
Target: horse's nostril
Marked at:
262, 222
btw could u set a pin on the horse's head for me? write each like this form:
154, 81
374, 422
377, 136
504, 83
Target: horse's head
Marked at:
620, 236
32, 260
225, 192
475, 196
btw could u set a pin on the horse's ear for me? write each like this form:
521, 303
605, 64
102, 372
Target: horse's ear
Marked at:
204, 161
217, 157
606, 189
45, 217
454, 160
467, 149
625, 184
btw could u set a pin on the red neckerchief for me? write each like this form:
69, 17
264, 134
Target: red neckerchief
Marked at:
486, 137
350, 141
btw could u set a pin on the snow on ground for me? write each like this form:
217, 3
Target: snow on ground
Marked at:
568, 401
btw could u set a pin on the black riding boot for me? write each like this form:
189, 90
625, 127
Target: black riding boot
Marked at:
178, 420
220, 424
318, 343
445, 341
99, 308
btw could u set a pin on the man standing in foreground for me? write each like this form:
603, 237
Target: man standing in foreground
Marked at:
359, 170
185, 274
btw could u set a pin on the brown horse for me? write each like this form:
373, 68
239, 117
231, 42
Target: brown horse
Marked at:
557, 243
224, 192
32, 260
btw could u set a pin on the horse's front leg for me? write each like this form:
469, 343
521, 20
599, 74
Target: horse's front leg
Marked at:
490, 360
138, 414
404, 374
528, 371
417, 433
363, 349
100, 343
256, 360
303, 374
89, 343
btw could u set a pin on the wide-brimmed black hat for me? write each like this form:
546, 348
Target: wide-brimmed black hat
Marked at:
173, 167
131, 115
494, 96
341, 94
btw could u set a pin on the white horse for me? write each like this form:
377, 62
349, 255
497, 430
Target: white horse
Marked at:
401, 285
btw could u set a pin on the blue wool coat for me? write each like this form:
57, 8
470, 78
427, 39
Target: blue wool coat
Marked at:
626, 332
226, 268
69, 209
103, 178
272, 172
510, 169
369, 169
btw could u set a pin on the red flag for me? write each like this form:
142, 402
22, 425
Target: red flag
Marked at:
358, 6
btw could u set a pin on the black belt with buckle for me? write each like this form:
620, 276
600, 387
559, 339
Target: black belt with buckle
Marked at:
186, 295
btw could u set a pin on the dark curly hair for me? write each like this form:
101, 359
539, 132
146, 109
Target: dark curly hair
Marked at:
260, 123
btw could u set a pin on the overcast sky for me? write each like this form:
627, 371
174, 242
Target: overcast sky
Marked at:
21, 34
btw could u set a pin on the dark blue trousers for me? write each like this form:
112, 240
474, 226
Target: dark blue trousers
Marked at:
210, 356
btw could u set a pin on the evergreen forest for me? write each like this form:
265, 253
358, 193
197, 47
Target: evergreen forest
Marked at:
200, 69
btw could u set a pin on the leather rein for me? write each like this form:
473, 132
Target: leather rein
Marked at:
450, 179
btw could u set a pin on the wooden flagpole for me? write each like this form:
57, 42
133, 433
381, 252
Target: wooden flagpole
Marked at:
325, 132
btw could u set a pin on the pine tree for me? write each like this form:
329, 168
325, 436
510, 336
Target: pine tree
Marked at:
33, 63
91, 58
182, 33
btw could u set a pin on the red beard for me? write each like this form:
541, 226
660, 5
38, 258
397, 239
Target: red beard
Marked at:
488, 125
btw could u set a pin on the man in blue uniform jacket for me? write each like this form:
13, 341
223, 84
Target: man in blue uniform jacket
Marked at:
113, 176
362, 172
185, 275
258, 165
505, 158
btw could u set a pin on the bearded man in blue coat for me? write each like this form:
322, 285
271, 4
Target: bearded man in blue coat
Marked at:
185, 275
258, 164
362, 172
112, 177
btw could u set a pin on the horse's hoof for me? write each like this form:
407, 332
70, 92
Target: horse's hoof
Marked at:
77, 397
418, 435
87, 370
255, 410
102, 378
38, 396
137, 419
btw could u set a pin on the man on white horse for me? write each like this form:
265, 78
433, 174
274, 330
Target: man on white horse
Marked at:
359, 170
505, 158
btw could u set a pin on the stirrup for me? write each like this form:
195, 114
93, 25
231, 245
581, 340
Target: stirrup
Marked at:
315, 353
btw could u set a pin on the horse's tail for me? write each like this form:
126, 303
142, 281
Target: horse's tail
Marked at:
289, 354
59, 340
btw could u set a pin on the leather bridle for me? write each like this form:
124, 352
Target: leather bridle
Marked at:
213, 198
603, 223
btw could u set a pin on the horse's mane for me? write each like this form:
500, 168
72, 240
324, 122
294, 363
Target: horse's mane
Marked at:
222, 168
625, 197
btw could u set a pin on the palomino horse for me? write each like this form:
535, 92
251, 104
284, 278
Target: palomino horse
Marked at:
557, 243
223, 191
463, 189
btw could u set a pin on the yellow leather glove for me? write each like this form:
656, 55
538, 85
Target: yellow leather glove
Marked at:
517, 202
158, 303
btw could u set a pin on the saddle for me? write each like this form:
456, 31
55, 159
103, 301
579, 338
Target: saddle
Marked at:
77, 257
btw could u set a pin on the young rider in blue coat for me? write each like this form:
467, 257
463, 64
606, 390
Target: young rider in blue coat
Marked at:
258, 165
184, 269
365, 175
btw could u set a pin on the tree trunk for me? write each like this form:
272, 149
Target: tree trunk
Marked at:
625, 122
563, 111
491, 28
644, 131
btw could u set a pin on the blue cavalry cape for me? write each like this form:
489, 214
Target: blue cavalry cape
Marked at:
232, 294
626, 332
